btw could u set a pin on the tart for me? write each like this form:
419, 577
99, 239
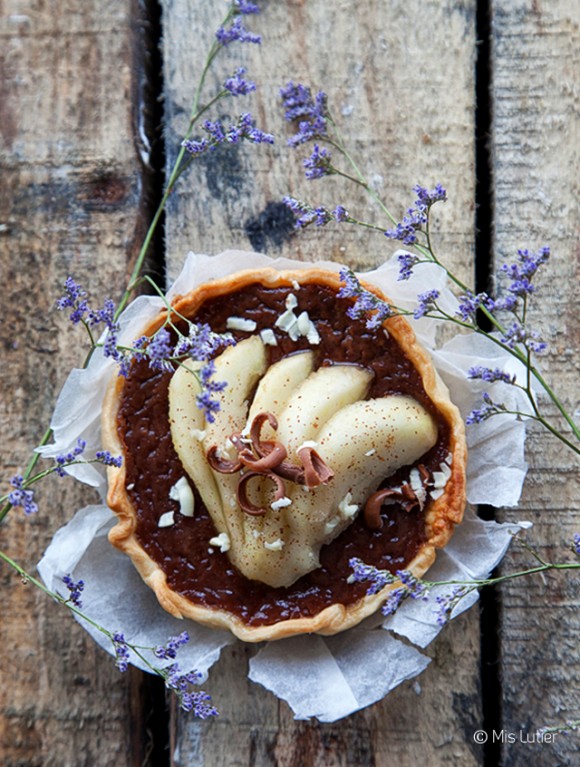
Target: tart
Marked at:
332, 441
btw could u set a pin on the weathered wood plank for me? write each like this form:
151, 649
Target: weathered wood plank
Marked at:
535, 150
400, 76
70, 195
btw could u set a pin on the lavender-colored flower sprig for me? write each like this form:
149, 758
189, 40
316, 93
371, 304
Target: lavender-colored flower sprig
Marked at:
75, 589
217, 134
310, 115
320, 216
408, 586
22, 495
366, 304
416, 220
177, 681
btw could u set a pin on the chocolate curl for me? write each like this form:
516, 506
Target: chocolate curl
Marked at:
373, 506
221, 464
316, 471
244, 501
273, 455
261, 448
290, 471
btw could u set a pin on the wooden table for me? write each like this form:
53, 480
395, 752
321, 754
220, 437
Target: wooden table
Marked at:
481, 96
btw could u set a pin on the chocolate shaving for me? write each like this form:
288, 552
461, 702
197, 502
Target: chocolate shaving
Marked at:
405, 496
316, 472
256, 430
372, 512
221, 464
267, 462
245, 503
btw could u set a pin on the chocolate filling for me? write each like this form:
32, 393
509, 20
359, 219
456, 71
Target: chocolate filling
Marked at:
202, 573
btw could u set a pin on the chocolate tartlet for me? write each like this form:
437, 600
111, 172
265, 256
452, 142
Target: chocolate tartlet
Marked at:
332, 441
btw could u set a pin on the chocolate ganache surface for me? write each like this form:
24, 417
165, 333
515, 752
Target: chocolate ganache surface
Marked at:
202, 573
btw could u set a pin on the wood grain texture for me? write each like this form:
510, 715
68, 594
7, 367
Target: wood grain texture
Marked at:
536, 151
70, 191
408, 120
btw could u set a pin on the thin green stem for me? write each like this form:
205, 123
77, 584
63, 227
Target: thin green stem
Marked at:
508, 576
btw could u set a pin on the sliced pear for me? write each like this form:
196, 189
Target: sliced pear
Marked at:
279, 383
241, 366
187, 423
322, 394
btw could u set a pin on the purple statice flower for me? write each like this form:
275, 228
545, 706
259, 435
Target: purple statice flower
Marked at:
21, 497
75, 590
237, 84
202, 343
105, 316
490, 408
366, 303
447, 603
576, 543
362, 572
416, 588
205, 399
74, 298
318, 164
340, 214
243, 129
108, 459
411, 587
394, 600
215, 131
490, 375
517, 334
169, 650
406, 263
160, 350
427, 302
310, 112
426, 197
195, 146
245, 7
121, 651
237, 32
417, 216
521, 273
470, 302
307, 215
63, 460
198, 702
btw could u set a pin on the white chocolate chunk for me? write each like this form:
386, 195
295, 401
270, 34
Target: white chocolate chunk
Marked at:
166, 520
281, 503
268, 337
222, 541
346, 508
276, 545
183, 494
240, 323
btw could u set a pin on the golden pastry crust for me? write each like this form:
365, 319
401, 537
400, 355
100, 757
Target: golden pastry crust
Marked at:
441, 517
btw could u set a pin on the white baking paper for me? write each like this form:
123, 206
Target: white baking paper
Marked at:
323, 677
